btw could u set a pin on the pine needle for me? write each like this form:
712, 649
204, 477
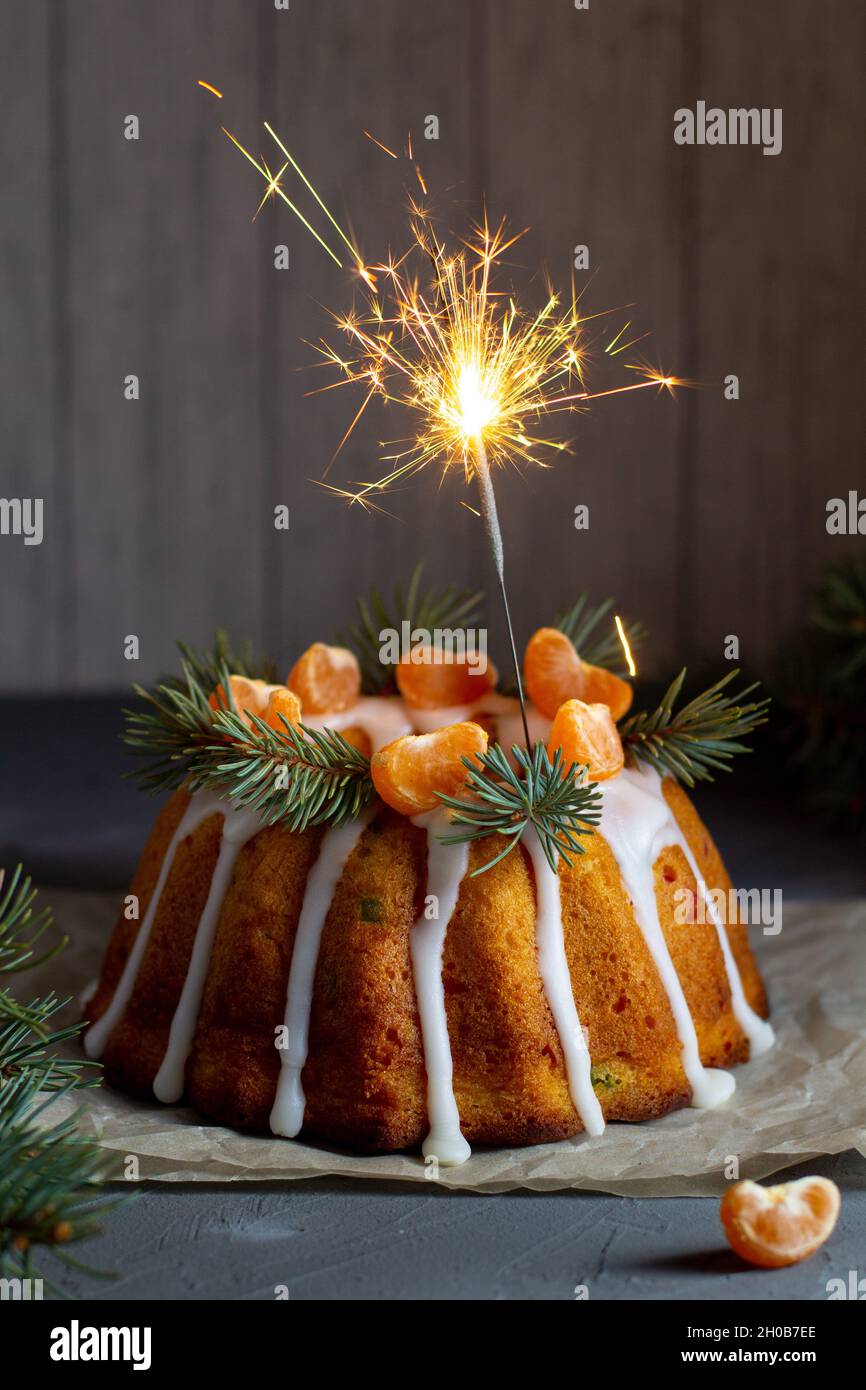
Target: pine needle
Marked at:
447, 607
698, 740
552, 796
580, 624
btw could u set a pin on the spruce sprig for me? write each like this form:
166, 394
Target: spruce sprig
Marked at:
174, 725
21, 929
698, 740
301, 777
552, 796
47, 1171
48, 1176
580, 624
242, 660
435, 607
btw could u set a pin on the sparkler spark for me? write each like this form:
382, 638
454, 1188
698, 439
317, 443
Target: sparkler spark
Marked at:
477, 373
629, 659
469, 364
464, 359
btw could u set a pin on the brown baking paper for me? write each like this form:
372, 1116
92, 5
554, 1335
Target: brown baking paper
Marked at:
804, 1098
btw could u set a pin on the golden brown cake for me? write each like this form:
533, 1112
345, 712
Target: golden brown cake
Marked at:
359, 985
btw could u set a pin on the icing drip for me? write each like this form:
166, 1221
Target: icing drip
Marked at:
287, 1114
556, 977
446, 868
202, 805
240, 824
637, 824
757, 1030
382, 719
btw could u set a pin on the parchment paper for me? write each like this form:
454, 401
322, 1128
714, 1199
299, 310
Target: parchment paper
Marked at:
804, 1098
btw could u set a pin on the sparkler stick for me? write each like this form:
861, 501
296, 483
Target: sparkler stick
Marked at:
494, 535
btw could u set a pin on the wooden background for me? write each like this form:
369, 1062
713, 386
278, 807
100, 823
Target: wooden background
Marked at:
707, 517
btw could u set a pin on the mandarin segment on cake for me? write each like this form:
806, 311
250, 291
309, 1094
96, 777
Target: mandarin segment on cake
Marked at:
385, 983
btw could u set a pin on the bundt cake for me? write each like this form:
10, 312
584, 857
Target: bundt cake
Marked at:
363, 984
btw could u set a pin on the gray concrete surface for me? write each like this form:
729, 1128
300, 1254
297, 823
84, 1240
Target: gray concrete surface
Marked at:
352, 1240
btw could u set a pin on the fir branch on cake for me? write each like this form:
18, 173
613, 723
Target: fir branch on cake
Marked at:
580, 624
443, 608
699, 739
242, 660
301, 776
548, 795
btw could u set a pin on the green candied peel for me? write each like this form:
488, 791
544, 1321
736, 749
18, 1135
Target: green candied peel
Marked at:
603, 1079
371, 910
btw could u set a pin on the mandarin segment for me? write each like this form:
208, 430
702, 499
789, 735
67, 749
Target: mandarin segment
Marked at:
587, 735
326, 679
553, 670
359, 738
776, 1226
412, 772
605, 688
283, 705
250, 697
427, 681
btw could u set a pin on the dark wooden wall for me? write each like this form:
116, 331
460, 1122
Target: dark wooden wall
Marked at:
707, 517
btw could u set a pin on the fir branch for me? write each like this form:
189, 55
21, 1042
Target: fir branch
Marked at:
701, 738
241, 661
580, 624
301, 777
448, 607
501, 801
20, 928
47, 1170
840, 613
47, 1176
819, 684
24, 1042
174, 725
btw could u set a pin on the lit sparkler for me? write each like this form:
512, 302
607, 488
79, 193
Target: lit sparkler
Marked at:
478, 374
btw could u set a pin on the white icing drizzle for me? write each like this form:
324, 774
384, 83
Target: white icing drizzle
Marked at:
556, 977
382, 719
287, 1114
240, 824
757, 1030
504, 710
201, 805
637, 824
446, 869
